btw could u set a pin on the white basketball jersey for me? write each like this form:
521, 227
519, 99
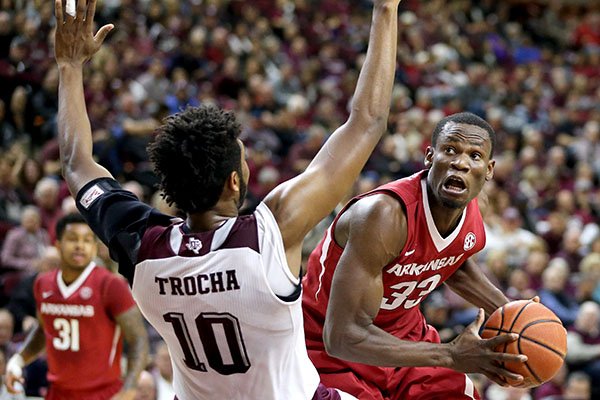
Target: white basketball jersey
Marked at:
229, 335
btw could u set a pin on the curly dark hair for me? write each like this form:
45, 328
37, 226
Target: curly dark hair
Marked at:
193, 154
469, 119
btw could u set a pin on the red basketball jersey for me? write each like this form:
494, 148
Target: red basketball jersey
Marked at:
424, 263
83, 341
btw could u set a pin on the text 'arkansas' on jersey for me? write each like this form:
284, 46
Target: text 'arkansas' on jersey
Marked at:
418, 269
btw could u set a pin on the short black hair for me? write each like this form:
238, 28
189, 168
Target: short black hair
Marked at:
61, 224
193, 154
465, 118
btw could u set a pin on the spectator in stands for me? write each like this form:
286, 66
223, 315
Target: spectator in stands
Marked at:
536, 263
4, 395
583, 342
578, 387
28, 177
7, 326
24, 244
46, 198
163, 372
146, 387
22, 302
511, 237
571, 248
553, 389
553, 293
11, 203
588, 287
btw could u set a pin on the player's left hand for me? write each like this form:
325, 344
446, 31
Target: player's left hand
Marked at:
75, 42
128, 394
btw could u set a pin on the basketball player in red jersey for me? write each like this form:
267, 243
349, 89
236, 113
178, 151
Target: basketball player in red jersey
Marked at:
82, 309
383, 254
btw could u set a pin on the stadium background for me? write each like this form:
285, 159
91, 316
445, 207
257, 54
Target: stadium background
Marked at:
288, 69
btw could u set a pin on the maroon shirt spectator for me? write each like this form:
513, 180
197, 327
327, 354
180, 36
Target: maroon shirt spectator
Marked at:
46, 196
25, 244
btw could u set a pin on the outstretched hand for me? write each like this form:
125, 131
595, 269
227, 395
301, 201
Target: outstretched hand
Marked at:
75, 42
471, 353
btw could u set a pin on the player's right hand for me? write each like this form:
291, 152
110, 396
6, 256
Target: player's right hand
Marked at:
74, 40
14, 374
471, 353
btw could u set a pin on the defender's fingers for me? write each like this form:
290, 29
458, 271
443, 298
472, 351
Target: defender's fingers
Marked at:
536, 299
58, 6
91, 11
81, 7
102, 33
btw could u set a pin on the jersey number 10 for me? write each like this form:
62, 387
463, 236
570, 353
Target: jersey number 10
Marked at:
221, 339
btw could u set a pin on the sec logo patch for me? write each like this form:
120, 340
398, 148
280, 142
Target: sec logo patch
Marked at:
470, 241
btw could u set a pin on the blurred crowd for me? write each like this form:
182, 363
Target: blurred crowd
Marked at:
288, 68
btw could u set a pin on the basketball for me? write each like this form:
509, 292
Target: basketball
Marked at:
542, 338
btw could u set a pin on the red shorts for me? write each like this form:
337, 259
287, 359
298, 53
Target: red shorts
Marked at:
386, 383
101, 393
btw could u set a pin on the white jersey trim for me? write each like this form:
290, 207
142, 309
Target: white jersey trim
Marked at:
439, 242
324, 252
469, 387
176, 238
281, 281
67, 291
221, 234
115, 342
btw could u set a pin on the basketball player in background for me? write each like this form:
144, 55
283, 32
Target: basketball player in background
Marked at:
82, 309
383, 254
221, 289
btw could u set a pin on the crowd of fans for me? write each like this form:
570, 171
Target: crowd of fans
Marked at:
288, 68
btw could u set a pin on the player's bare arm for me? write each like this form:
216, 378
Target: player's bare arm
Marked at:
373, 233
471, 284
75, 43
134, 333
34, 344
299, 204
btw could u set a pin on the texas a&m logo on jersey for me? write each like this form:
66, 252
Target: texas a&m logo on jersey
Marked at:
194, 245
470, 241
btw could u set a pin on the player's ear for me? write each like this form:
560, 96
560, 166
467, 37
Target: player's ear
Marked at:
490, 170
233, 182
428, 156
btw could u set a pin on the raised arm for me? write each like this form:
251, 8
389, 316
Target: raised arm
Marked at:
135, 335
299, 204
75, 43
373, 232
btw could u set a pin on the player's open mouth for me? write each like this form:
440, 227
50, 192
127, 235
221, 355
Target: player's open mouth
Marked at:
454, 184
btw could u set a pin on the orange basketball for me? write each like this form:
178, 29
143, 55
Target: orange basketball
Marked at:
542, 338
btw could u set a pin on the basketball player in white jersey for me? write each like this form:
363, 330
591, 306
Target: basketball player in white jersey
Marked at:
223, 290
